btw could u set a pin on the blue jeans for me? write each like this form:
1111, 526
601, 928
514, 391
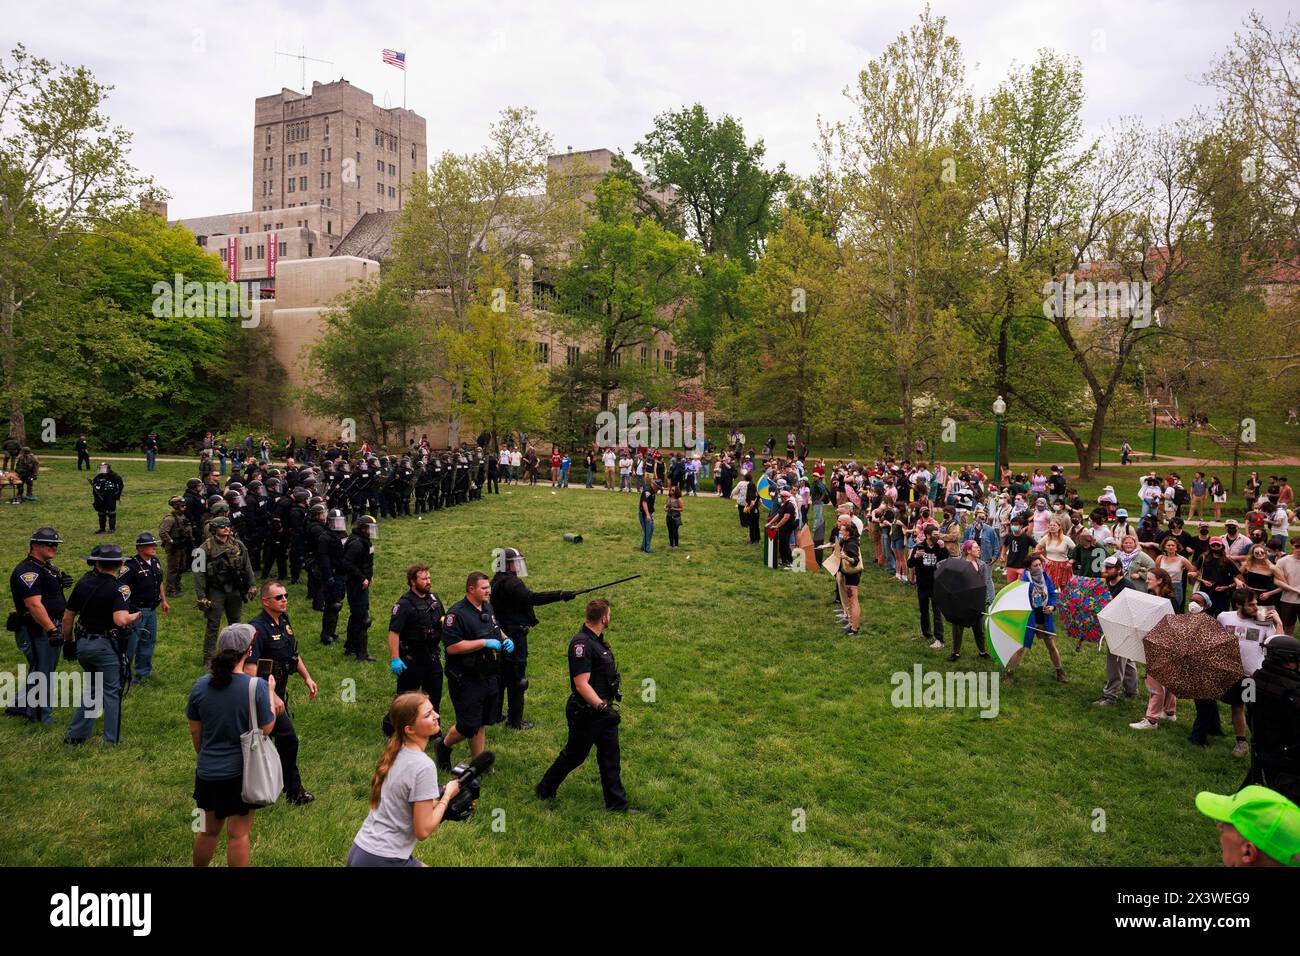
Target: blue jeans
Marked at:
591, 476
151, 458
96, 656
564, 477
647, 531
1147, 508
223, 464
42, 658
144, 637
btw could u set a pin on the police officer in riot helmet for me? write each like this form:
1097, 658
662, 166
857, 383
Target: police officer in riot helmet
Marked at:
316, 516
176, 536
359, 569
103, 603
106, 489
37, 587
414, 630
514, 601
1275, 718
333, 577
194, 507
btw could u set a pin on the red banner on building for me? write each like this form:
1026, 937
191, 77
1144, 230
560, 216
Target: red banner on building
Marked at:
272, 254
232, 258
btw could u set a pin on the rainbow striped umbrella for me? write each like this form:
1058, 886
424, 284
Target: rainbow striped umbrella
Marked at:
1007, 620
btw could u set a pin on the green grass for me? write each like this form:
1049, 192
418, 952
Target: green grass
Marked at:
762, 708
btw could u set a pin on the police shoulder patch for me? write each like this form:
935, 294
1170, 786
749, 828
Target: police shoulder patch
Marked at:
29, 578
579, 649
397, 607
449, 620
125, 591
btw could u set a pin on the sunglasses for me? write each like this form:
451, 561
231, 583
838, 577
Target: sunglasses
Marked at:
278, 597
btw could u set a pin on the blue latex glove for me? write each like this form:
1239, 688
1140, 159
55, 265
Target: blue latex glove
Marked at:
508, 646
492, 644
397, 666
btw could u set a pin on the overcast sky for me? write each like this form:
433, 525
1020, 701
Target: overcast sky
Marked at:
186, 74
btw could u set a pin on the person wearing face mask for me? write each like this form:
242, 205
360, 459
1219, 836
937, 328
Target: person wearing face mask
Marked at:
923, 559
1040, 517
1236, 544
1018, 546
1121, 673
1042, 626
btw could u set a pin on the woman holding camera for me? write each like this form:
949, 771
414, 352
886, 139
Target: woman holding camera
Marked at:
406, 804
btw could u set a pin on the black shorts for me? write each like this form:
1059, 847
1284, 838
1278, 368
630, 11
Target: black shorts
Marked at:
222, 798
475, 700
851, 580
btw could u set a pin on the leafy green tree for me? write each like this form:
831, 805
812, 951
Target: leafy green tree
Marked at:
63, 174
374, 363
624, 283
492, 356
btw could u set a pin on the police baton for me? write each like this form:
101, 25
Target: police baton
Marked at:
609, 584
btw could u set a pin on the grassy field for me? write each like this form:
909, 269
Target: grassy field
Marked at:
763, 714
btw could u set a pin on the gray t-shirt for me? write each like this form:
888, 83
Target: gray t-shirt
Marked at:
224, 715
389, 830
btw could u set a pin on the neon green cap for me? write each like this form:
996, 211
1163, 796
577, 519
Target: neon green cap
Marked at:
1262, 816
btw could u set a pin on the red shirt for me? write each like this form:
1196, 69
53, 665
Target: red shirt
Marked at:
555, 459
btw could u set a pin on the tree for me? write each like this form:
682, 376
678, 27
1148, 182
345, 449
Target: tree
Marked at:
63, 174
725, 196
504, 200
906, 216
502, 386
796, 326
625, 282
373, 363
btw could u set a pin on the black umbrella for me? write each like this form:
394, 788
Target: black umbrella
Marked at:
959, 591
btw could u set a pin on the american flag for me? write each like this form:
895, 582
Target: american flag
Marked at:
394, 58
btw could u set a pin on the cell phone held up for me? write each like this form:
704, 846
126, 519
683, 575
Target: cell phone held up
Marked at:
264, 665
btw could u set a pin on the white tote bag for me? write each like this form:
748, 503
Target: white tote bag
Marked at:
263, 776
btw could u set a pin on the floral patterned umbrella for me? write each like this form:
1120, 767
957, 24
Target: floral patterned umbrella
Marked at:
1080, 600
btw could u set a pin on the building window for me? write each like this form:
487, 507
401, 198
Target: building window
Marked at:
392, 192
392, 170
327, 127
203, 241
268, 137
379, 165
302, 159
329, 227
412, 154
302, 183
358, 207
379, 138
279, 225
223, 254
616, 359
379, 188
248, 252
644, 353
544, 353
284, 248
571, 354
358, 137
292, 184
668, 359
267, 227
261, 251
309, 250
293, 159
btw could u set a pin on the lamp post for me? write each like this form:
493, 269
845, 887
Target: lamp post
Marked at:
999, 409
1154, 405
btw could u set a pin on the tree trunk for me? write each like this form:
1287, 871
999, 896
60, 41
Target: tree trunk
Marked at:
17, 421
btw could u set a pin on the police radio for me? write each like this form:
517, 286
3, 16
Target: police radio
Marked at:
461, 806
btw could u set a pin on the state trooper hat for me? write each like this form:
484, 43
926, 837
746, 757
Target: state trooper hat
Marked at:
46, 535
145, 539
105, 554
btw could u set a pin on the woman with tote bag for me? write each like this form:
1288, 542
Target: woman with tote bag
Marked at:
227, 712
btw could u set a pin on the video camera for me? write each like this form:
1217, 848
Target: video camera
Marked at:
461, 806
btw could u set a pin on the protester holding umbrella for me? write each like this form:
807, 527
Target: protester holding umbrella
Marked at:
848, 548
1121, 673
1042, 602
1162, 704
970, 555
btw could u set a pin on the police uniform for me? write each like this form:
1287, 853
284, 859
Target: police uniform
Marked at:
177, 537
472, 677
359, 566
514, 601
589, 653
106, 489
144, 576
101, 648
417, 622
1275, 720
329, 562
225, 580
35, 578
276, 642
